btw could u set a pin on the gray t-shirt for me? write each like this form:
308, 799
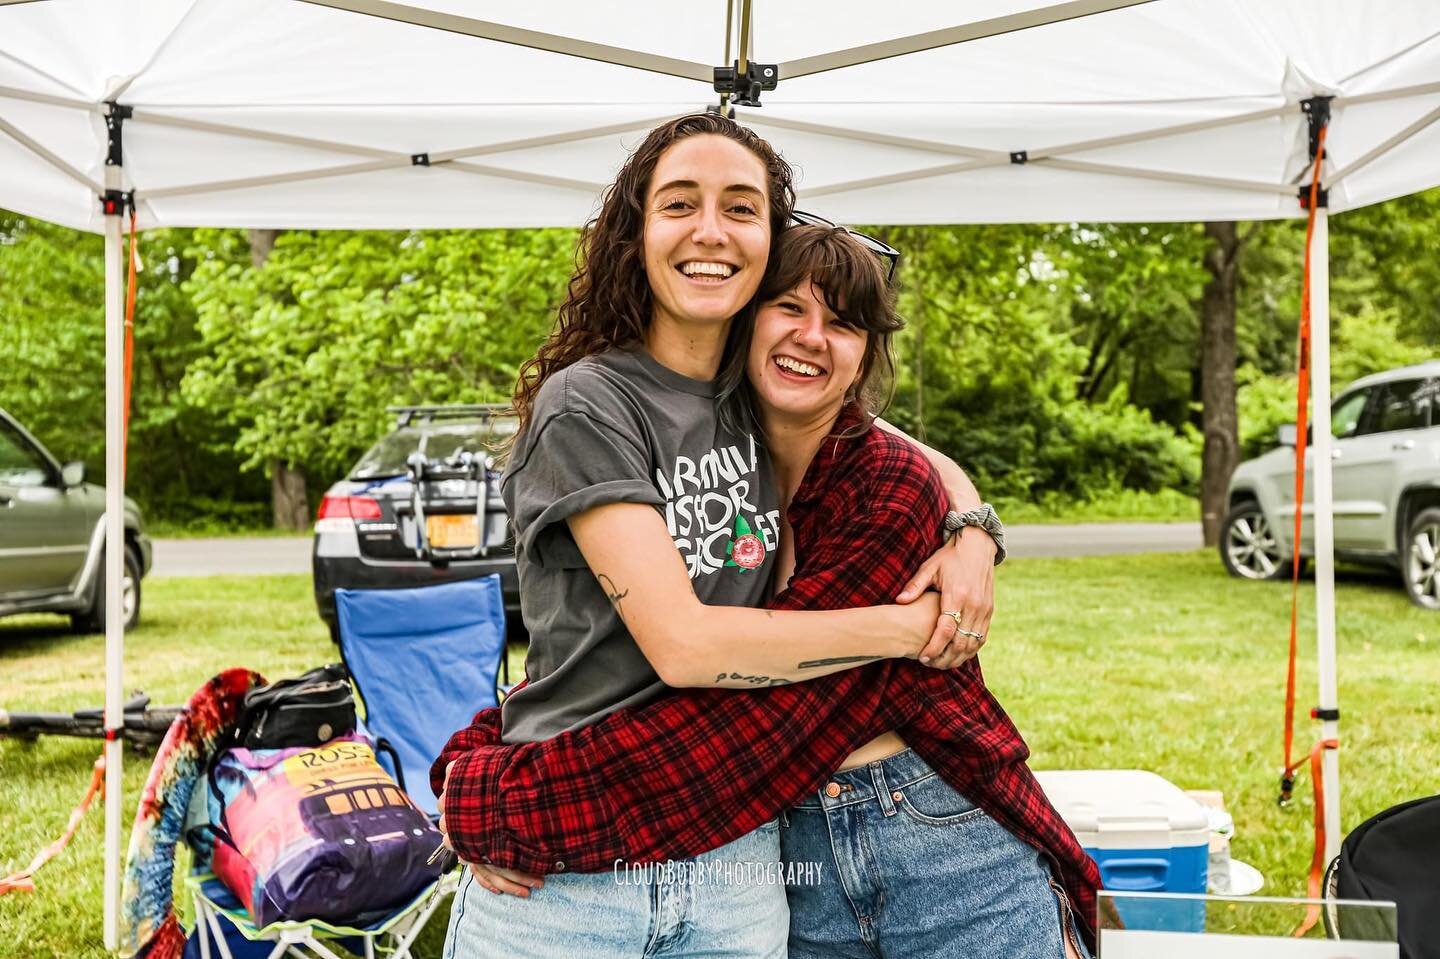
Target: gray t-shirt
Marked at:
619, 427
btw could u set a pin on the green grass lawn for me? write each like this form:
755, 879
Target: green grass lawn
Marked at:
1158, 662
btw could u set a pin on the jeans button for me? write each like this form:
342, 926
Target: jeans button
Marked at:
559, 865
897, 795
832, 790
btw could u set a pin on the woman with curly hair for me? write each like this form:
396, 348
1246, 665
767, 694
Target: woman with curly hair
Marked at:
647, 528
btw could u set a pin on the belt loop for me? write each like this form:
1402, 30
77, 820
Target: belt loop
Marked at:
882, 790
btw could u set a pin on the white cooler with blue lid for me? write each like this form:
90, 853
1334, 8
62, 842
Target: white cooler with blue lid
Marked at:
1145, 834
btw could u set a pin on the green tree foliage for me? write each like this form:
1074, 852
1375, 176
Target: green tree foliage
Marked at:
1133, 306
52, 338
1021, 350
304, 354
1056, 362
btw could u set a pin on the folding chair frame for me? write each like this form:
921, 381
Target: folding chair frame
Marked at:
392, 939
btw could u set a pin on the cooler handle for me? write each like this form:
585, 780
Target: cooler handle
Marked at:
1134, 875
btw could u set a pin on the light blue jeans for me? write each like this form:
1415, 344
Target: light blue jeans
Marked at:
728, 903
911, 868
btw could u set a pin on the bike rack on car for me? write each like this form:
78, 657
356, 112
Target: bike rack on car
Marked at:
462, 465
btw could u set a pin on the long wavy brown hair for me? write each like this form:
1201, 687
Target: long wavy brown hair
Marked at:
609, 302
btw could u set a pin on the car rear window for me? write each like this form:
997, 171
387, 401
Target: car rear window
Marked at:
436, 441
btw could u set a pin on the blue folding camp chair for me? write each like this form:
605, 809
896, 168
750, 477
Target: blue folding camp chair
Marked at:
423, 661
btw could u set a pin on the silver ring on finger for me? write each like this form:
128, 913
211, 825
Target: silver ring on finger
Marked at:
979, 637
955, 615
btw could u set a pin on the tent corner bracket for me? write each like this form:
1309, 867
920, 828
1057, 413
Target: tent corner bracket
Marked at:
115, 119
116, 202
1317, 114
743, 87
1322, 197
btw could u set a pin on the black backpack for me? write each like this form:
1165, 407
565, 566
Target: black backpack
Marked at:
308, 710
1393, 856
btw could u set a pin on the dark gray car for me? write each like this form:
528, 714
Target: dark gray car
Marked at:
52, 536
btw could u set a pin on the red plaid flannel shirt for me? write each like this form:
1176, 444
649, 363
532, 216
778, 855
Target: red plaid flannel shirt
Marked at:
702, 767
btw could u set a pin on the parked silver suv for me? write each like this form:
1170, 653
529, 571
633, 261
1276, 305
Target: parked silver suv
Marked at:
52, 537
1386, 462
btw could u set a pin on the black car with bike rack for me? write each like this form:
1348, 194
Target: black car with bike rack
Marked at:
422, 506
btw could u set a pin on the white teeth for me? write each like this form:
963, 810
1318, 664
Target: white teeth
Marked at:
795, 366
699, 268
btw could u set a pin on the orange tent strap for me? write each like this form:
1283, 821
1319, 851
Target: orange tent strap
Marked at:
1317, 858
22, 881
1302, 404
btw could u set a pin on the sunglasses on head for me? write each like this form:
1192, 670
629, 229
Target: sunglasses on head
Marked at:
880, 248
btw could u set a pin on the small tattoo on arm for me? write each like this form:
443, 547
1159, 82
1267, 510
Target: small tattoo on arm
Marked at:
837, 661
752, 680
612, 592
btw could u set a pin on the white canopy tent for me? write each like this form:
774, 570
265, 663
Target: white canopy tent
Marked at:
371, 114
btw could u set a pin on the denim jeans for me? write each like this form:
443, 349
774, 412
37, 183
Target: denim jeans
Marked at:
911, 868
728, 903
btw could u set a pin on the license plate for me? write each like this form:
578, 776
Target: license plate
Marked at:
452, 532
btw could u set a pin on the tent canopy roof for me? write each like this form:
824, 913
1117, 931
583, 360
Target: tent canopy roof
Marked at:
284, 113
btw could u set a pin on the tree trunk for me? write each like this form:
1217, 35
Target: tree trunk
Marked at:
289, 503
289, 496
1220, 422
261, 243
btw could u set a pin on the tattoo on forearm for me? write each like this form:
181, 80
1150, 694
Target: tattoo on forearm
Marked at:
752, 680
836, 661
612, 592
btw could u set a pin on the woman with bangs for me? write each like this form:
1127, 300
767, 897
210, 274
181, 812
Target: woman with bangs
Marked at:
913, 866
645, 521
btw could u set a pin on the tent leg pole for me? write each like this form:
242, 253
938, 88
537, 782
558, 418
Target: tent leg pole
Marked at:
1324, 520
114, 559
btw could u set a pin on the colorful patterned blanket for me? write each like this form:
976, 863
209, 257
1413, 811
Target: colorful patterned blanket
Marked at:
150, 928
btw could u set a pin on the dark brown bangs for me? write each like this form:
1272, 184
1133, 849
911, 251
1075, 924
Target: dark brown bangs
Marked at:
849, 277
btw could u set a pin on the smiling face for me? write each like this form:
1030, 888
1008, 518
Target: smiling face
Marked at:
804, 358
707, 231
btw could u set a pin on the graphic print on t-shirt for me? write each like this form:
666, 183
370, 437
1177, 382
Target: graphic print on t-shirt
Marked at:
746, 550
709, 512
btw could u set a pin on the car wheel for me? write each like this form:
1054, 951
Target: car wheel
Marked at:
93, 619
1420, 559
1249, 547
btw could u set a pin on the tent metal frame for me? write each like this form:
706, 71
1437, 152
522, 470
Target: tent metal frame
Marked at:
1055, 156
517, 36
973, 158
114, 559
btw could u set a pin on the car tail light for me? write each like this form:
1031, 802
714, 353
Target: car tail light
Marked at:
349, 507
